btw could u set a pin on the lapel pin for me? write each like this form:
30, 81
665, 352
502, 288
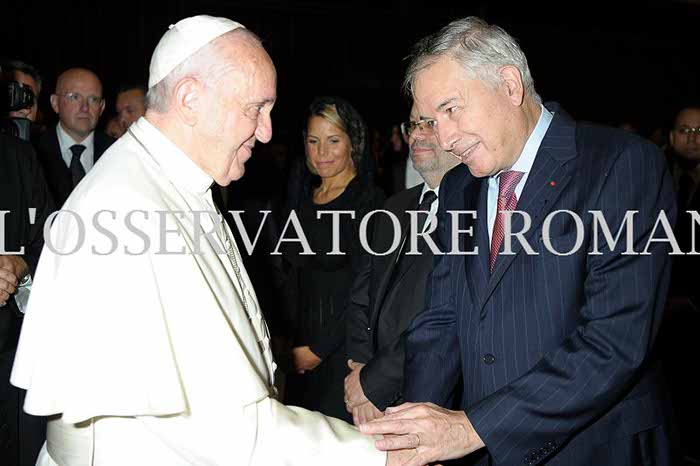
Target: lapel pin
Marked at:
552, 183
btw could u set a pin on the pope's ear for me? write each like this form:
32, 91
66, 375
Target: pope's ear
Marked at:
186, 100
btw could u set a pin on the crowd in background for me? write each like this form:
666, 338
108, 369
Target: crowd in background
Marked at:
305, 298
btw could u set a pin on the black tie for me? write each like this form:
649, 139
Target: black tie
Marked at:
424, 205
77, 170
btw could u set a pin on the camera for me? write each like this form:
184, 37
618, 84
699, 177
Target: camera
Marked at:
14, 97
17, 97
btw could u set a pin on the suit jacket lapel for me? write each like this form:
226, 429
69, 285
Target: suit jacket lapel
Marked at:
477, 265
548, 178
383, 290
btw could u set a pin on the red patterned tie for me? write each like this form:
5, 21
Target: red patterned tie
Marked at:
507, 181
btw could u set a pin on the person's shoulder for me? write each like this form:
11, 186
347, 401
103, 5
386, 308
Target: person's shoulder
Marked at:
603, 147
102, 140
369, 194
404, 199
600, 140
12, 145
121, 179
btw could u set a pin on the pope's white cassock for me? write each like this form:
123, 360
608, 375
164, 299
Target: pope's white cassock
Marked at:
139, 343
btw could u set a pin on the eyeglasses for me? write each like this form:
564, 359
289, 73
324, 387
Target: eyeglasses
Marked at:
77, 98
687, 131
425, 127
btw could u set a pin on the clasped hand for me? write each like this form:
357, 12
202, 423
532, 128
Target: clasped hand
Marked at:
356, 403
12, 270
416, 434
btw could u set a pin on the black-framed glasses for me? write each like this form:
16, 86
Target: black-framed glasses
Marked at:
425, 127
78, 98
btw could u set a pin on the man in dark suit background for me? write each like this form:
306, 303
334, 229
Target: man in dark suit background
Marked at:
682, 318
553, 348
390, 289
22, 187
70, 150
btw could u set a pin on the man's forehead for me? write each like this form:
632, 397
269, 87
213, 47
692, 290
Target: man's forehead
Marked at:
440, 81
689, 116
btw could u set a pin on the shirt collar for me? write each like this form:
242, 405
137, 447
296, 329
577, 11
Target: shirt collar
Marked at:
527, 156
65, 141
176, 165
426, 188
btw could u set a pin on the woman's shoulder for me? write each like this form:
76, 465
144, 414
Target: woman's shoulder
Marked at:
369, 195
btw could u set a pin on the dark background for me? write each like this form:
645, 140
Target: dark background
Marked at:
606, 62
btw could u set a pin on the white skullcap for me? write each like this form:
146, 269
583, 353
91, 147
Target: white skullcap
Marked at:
184, 39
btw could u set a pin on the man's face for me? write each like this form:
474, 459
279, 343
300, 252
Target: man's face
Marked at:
236, 113
114, 128
684, 136
130, 106
29, 113
426, 154
474, 121
78, 102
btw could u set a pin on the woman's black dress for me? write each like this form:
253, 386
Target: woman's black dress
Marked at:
318, 291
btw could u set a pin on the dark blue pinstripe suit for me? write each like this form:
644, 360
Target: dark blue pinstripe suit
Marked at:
554, 350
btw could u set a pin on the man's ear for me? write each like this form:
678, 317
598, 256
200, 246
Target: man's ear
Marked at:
187, 97
54, 103
513, 82
102, 106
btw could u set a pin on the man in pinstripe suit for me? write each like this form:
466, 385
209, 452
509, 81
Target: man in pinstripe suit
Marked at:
554, 349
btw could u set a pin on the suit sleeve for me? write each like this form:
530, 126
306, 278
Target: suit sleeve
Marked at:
624, 300
41, 200
382, 377
358, 344
432, 364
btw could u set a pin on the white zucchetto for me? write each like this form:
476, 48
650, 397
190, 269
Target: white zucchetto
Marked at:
182, 40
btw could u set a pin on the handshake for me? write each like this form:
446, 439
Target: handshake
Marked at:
413, 434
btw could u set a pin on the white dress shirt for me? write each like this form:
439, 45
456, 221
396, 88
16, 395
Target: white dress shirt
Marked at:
87, 158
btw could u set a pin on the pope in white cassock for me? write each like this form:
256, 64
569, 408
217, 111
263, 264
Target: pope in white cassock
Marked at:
143, 339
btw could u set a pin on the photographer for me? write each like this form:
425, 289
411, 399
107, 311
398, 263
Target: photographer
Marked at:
27, 76
22, 187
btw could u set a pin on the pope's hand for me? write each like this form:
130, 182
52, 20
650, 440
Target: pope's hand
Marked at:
304, 359
354, 394
12, 270
436, 433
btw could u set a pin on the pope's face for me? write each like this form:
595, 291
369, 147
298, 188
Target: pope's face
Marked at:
238, 114
474, 120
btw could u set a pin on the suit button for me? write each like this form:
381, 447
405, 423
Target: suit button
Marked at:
369, 329
489, 359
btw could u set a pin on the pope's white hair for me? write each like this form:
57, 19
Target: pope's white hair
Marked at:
482, 49
203, 65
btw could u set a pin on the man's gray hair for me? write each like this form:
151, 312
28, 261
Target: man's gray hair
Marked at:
481, 48
203, 65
